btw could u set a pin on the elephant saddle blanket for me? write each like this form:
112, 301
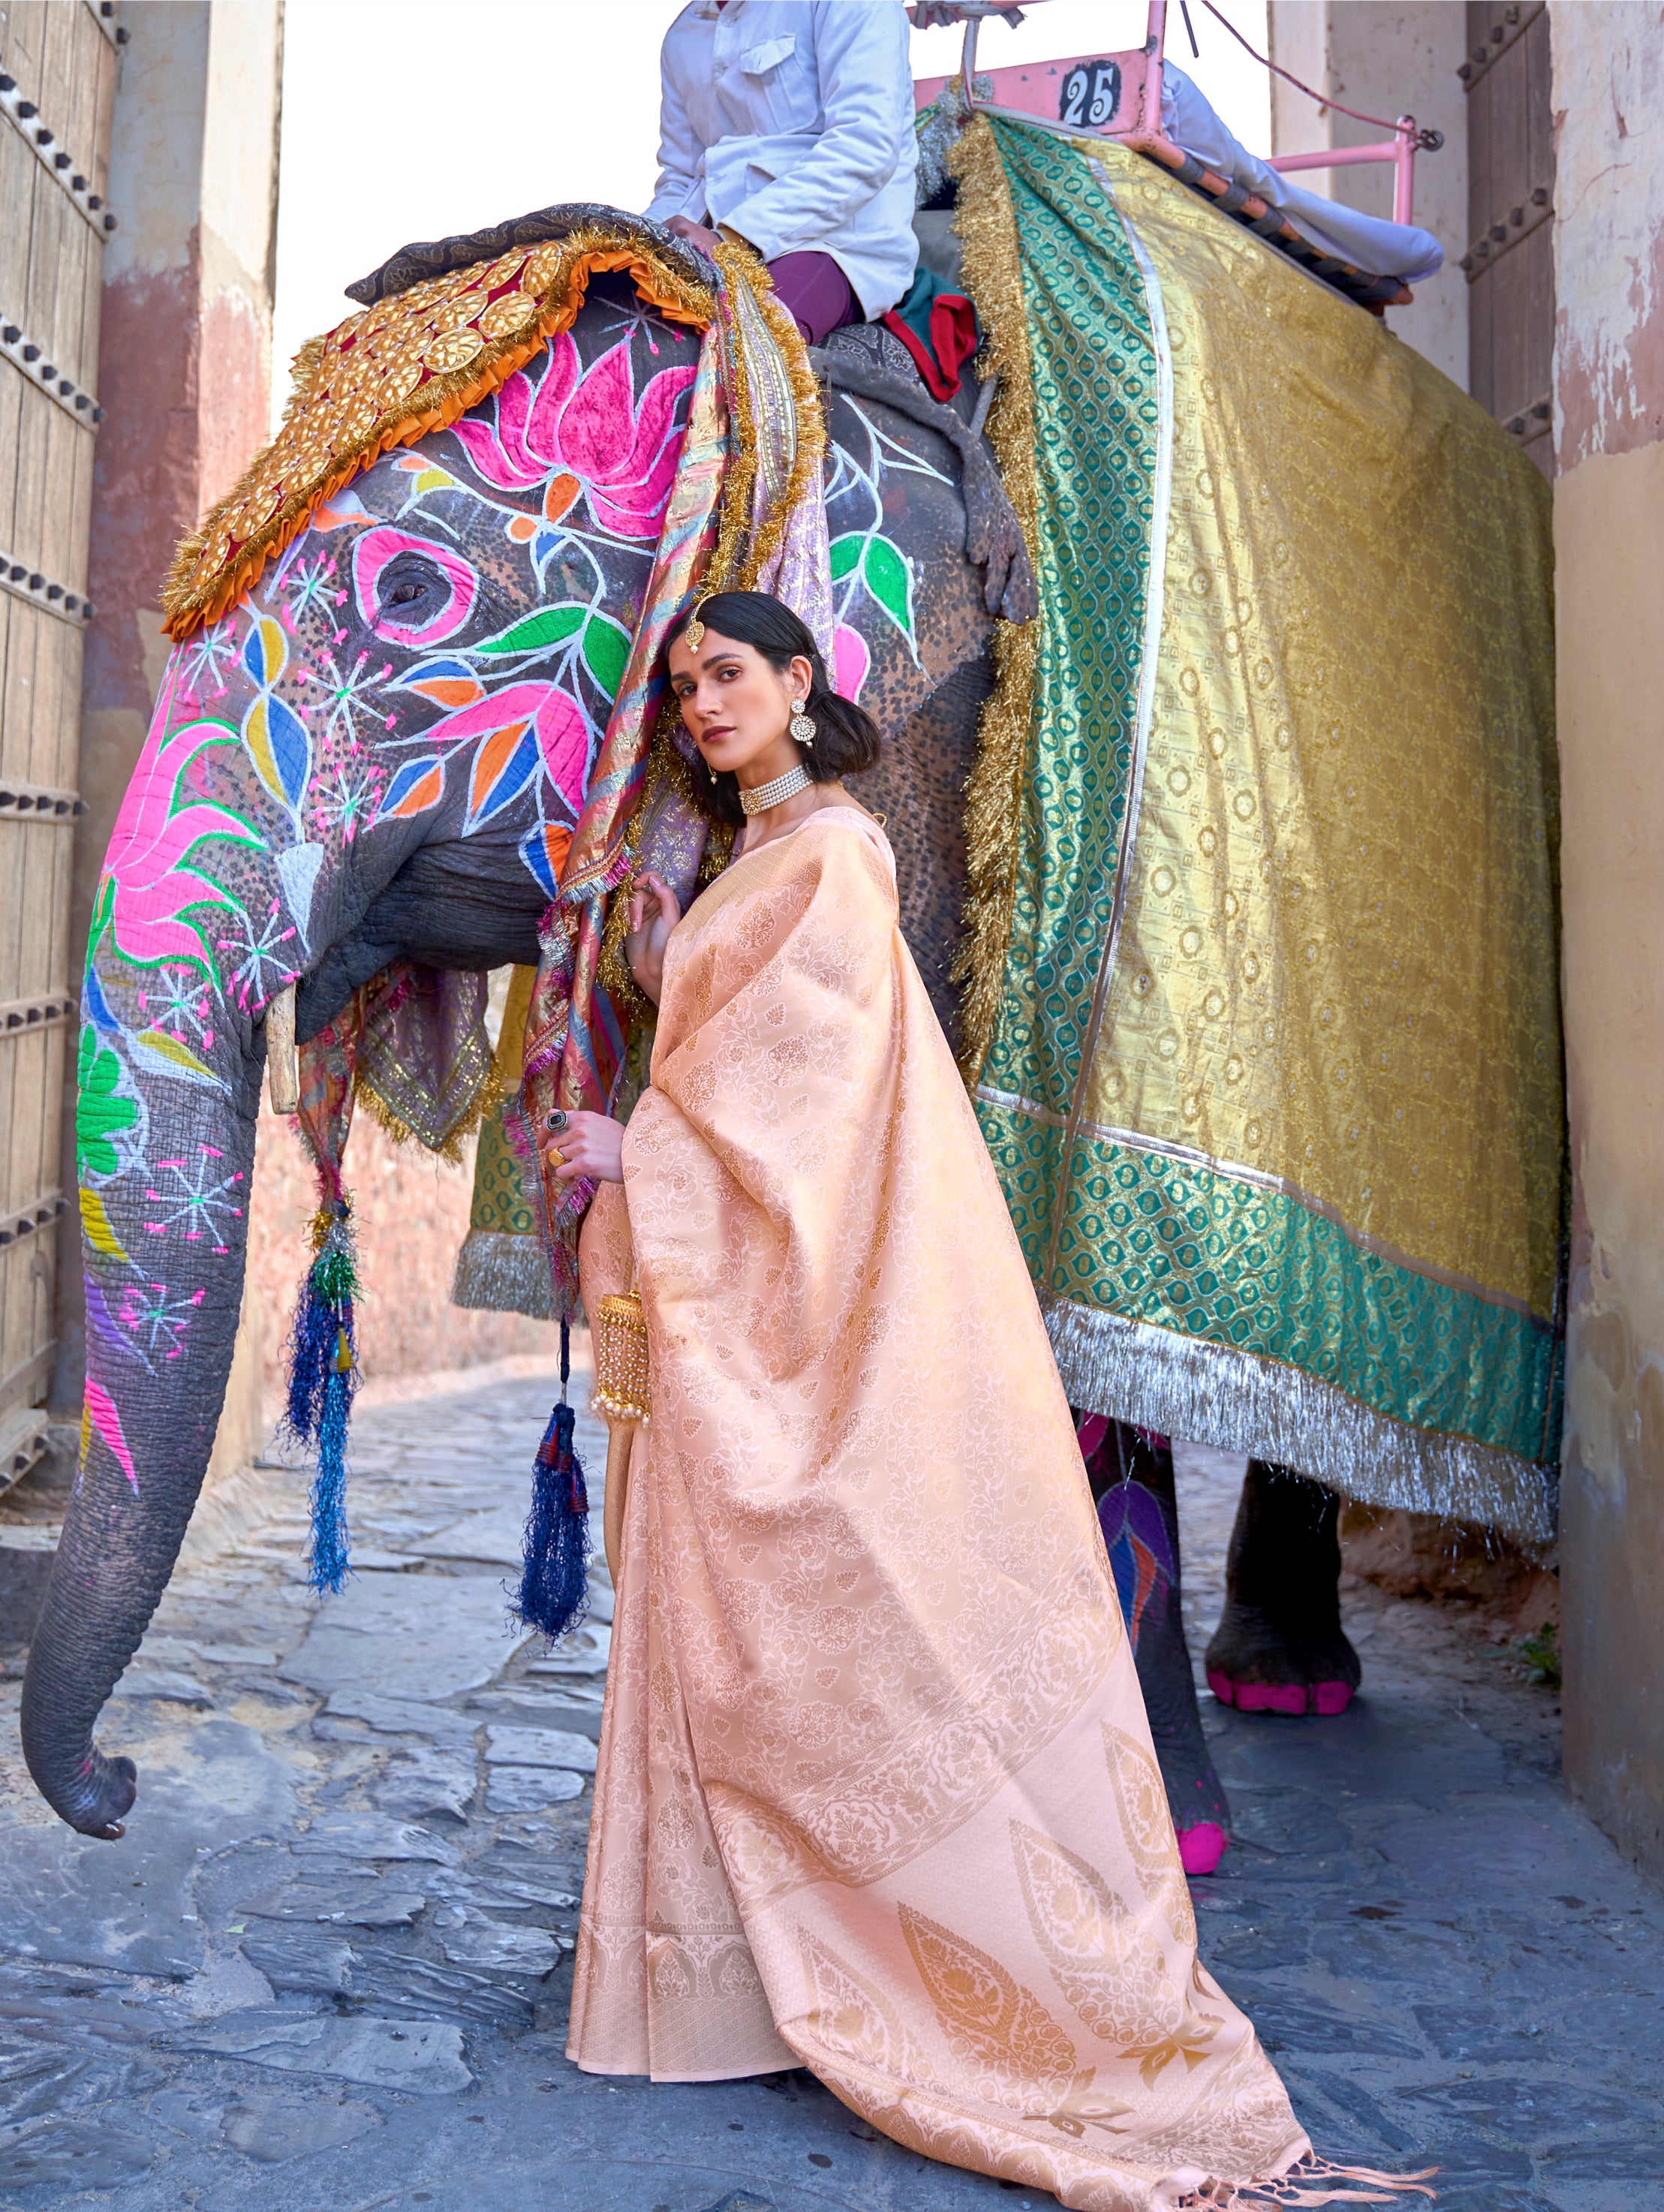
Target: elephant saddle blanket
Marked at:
1263, 1008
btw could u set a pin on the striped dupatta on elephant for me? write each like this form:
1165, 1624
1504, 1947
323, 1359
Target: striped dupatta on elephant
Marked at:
1263, 1017
746, 510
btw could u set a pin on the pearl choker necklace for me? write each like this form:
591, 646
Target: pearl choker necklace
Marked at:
773, 794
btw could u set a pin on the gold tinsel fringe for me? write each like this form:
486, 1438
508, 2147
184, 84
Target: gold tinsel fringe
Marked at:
994, 795
211, 569
499, 1272
740, 474
810, 452
993, 814
727, 570
452, 1149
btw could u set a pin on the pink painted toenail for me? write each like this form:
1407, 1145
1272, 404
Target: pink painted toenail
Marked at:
1201, 1848
1330, 1698
1270, 1698
1222, 1686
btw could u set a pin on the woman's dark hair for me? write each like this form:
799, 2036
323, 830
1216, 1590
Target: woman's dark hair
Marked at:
846, 739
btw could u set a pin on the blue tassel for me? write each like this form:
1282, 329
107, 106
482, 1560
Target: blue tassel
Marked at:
323, 1376
554, 1594
328, 1557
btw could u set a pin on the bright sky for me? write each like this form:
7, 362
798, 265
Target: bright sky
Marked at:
412, 118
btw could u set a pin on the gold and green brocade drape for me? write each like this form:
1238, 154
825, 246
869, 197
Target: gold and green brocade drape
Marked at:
1273, 1084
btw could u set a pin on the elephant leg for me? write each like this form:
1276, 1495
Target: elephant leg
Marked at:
1280, 1647
1132, 1477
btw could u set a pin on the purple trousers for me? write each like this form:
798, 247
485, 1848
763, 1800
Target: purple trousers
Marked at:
816, 294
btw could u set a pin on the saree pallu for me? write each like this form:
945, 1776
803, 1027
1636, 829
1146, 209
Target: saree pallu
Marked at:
1273, 1074
876, 1792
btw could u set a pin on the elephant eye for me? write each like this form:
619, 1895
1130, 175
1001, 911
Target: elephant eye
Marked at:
407, 583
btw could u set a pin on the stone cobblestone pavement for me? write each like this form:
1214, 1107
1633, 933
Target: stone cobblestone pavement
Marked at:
336, 1938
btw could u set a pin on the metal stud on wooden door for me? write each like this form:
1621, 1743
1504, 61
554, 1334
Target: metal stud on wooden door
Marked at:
57, 75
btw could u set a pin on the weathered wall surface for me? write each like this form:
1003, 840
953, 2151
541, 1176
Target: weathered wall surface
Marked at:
1609, 539
1389, 60
1609, 268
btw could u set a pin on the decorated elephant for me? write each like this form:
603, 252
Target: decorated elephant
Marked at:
374, 741
377, 753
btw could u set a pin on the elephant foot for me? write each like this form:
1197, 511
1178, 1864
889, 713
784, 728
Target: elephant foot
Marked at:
1295, 1698
1132, 1478
1280, 1647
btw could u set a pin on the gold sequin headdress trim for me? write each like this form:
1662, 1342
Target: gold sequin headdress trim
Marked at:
388, 376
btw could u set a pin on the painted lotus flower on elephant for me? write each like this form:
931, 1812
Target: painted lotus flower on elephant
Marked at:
580, 434
153, 881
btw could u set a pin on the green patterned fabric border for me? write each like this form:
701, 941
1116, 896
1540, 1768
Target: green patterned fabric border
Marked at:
1093, 362
499, 1202
503, 1265
1156, 1240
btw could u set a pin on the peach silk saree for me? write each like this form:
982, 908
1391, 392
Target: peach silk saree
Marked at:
876, 1792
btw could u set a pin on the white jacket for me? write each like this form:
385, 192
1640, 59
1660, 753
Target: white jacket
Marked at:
792, 120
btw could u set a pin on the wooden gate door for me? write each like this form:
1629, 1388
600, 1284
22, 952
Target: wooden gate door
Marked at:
1510, 264
57, 73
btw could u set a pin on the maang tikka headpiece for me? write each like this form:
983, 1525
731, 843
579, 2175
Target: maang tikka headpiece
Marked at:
694, 633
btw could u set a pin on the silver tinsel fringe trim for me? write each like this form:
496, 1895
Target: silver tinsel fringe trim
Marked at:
502, 1273
1211, 1394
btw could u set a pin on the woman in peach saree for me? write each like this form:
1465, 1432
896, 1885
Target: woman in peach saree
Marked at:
876, 1792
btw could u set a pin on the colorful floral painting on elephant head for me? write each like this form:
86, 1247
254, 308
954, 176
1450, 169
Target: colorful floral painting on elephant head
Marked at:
430, 662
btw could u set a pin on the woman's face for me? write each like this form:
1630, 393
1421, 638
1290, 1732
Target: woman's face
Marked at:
736, 706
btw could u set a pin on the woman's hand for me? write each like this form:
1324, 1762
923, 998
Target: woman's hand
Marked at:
706, 241
589, 1145
653, 914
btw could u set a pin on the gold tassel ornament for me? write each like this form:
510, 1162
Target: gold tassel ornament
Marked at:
620, 1329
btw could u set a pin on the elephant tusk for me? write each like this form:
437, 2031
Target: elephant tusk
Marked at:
282, 1054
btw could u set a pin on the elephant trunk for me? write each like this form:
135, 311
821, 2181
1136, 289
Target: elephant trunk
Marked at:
145, 1442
